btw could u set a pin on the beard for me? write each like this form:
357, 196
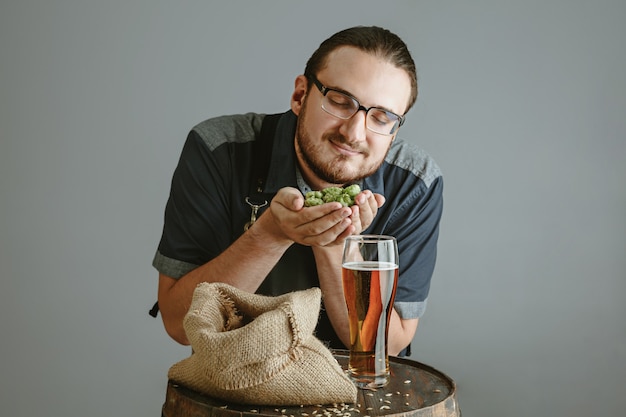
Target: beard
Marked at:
336, 169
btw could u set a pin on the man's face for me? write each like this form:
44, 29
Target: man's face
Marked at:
333, 151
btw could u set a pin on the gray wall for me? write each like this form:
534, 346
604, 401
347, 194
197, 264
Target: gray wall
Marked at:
523, 104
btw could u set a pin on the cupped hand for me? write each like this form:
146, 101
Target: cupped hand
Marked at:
365, 209
323, 225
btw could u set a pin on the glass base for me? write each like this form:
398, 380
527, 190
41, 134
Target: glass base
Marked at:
369, 382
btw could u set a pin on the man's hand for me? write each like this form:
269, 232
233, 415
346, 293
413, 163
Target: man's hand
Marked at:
365, 207
324, 225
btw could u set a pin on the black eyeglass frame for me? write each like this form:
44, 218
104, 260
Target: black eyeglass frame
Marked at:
324, 90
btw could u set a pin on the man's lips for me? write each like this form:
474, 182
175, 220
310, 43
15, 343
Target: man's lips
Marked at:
344, 149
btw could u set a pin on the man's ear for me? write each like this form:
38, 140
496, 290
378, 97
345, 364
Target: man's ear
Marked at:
300, 89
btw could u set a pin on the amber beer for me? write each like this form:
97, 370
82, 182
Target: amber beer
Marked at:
369, 289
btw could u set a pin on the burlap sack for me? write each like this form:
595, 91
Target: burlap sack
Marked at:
253, 349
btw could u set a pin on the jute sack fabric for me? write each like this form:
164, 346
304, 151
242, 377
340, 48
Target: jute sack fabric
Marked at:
254, 349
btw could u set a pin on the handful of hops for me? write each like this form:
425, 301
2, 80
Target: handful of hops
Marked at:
345, 196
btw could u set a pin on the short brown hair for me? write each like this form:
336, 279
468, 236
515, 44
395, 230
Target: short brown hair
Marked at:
371, 39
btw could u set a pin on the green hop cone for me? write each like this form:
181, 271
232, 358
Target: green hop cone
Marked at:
352, 190
345, 196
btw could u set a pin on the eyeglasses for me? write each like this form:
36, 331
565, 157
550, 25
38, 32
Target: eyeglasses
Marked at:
344, 106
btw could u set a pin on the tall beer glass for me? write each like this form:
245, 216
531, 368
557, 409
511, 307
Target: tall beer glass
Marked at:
370, 279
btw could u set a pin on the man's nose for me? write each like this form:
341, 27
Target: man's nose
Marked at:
354, 128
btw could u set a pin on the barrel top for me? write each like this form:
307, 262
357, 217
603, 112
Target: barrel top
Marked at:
413, 387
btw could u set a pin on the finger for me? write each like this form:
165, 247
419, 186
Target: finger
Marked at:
291, 198
380, 199
334, 235
319, 219
367, 195
362, 197
367, 210
356, 219
310, 214
369, 207
348, 231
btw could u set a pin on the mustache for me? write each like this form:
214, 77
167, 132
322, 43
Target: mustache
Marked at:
342, 140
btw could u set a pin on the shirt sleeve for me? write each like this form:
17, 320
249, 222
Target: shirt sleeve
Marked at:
415, 224
197, 222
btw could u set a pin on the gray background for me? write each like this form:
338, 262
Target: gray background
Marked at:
522, 103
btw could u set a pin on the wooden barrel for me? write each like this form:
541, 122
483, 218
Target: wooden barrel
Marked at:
415, 390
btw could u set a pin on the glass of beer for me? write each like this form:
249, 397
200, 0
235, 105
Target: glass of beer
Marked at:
370, 278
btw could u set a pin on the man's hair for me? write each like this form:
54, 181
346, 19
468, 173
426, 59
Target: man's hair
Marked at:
373, 40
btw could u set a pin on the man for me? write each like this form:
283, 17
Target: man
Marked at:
346, 110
